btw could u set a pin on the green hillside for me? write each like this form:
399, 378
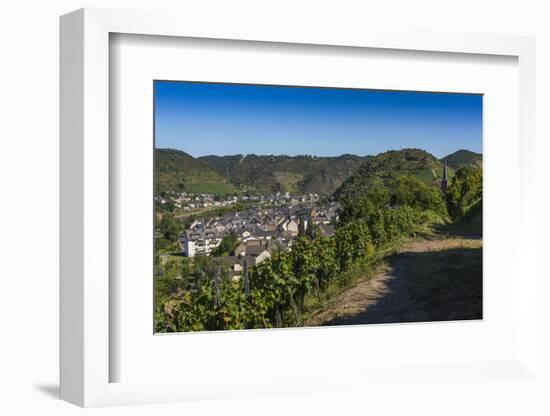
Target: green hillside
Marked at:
177, 171
387, 166
294, 174
463, 158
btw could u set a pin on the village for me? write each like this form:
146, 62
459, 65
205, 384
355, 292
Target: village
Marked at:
258, 231
192, 201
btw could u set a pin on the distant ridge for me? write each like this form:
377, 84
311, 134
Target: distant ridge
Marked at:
339, 175
281, 173
463, 158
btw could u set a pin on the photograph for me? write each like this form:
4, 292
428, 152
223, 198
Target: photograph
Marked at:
280, 206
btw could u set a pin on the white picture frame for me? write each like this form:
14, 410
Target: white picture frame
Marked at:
85, 212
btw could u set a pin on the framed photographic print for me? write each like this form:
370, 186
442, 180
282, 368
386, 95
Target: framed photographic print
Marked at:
287, 211
338, 214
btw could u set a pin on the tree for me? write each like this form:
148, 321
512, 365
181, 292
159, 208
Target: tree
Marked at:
227, 245
465, 191
169, 227
362, 204
410, 191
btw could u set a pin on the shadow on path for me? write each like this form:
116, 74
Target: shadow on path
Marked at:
464, 229
430, 283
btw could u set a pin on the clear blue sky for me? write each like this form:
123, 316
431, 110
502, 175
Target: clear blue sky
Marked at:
227, 119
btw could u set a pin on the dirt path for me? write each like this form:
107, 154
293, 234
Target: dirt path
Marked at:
438, 279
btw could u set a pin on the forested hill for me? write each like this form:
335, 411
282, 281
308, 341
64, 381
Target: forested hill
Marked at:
462, 158
294, 174
263, 174
178, 171
389, 165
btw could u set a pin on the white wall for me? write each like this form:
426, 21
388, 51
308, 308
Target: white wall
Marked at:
29, 185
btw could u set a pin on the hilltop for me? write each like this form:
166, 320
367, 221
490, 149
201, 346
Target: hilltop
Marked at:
463, 158
387, 166
178, 171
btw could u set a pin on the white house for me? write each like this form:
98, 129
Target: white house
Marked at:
200, 242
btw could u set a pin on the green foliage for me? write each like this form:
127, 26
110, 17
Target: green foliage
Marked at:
327, 267
360, 205
465, 192
227, 245
167, 206
410, 191
176, 171
374, 203
353, 240
169, 227
428, 175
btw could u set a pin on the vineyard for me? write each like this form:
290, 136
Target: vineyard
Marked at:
196, 294
273, 294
